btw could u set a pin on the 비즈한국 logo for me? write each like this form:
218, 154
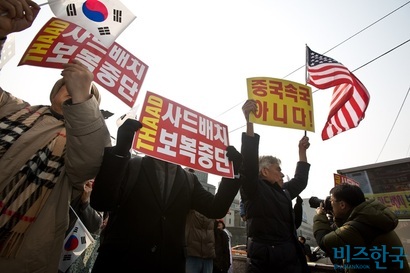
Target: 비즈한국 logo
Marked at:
361, 257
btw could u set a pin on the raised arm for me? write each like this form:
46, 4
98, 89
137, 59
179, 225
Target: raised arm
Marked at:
216, 206
114, 168
91, 218
303, 146
299, 182
16, 15
248, 107
250, 152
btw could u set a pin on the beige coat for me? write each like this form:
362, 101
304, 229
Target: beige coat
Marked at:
87, 135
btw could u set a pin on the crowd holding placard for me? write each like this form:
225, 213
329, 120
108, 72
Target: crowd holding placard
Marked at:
61, 178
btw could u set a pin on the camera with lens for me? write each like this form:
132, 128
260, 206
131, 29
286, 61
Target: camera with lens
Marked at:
315, 202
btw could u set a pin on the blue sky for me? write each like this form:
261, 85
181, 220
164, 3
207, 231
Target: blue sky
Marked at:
200, 53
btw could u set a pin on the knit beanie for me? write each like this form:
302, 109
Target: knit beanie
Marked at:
61, 82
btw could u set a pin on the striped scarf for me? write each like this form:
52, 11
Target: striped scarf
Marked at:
23, 198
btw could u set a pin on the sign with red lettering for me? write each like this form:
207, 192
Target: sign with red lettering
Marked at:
342, 179
177, 134
398, 202
281, 103
114, 68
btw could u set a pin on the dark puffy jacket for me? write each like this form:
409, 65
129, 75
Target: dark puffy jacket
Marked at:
222, 260
199, 234
370, 224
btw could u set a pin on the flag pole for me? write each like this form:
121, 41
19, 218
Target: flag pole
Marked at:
306, 57
306, 60
42, 4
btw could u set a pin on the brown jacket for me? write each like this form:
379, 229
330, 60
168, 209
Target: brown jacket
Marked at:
87, 135
199, 234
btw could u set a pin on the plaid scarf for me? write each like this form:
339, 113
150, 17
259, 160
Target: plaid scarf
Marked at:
23, 198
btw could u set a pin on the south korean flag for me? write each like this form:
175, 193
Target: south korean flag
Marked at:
74, 245
105, 19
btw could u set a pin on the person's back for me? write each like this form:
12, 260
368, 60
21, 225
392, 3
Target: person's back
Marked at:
306, 249
374, 237
396, 253
200, 243
222, 261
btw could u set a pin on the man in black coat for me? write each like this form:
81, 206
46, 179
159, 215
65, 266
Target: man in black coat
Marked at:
146, 229
273, 245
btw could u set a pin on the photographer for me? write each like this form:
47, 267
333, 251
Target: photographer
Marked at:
362, 238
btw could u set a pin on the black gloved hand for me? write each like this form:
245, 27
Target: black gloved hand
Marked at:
236, 158
125, 135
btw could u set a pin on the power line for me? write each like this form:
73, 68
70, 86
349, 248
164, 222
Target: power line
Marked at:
357, 33
408, 151
369, 62
394, 48
367, 27
394, 123
336, 47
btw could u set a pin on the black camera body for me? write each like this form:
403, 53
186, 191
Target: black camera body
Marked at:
314, 202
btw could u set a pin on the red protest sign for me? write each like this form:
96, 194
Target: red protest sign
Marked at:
177, 134
114, 68
342, 179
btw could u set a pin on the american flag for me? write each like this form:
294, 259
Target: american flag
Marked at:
350, 98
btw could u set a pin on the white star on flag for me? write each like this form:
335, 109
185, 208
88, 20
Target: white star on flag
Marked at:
105, 19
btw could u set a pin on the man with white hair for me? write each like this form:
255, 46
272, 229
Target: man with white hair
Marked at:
272, 245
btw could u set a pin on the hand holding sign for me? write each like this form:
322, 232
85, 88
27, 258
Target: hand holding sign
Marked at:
125, 136
236, 158
78, 80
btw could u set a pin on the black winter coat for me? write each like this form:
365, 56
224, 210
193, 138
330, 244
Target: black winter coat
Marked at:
222, 260
270, 219
145, 232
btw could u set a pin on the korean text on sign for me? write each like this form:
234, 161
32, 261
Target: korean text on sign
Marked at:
177, 134
281, 103
114, 68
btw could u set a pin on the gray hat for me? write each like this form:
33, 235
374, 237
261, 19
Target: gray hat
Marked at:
61, 82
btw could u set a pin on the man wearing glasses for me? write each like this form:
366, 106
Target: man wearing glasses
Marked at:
362, 237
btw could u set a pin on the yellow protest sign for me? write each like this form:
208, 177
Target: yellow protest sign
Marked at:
281, 103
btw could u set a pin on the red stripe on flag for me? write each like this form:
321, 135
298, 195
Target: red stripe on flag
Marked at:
349, 99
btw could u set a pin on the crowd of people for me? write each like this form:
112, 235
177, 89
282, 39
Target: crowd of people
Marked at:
60, 156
